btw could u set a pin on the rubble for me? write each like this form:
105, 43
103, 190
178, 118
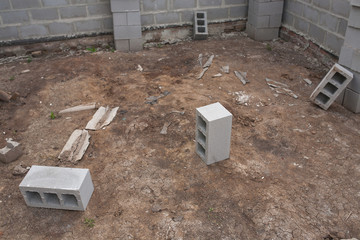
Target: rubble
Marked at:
101, 118
153, 99
79, 108
4, 96
241, 76
209, 61
225, 69
11, 151
75, 147
280, 88
20, 170
202, 73
165, 127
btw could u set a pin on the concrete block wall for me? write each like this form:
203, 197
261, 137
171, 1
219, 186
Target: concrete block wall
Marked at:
32, 19
323, 21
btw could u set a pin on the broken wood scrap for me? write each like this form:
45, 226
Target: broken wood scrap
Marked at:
79, 108
241, 76
101, 118
75, 147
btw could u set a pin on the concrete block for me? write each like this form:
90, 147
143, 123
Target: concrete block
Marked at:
4, 5
328, 21
136, 44
61, 28
355, 3
206, 3
325, 4
316, 33
233, 2
288, 18
8, 33
14, 17
108, 24
334, 42
311, 14
120, 19
355, 62
352, 101
125, 5
213, 133
217, 13
57, 3
200, 25
148, 19
57, 187
266, 8
341, 7
262, 34
301, 25
99, 9
258, 21
352, 37
335, 81
167, 17
354, 85
295, 7
73, 12
154, 5
88, 25
122, 45
21, 4
133, 19
354, 18
44, 14
275, 20
239, 12
340, 98
183, 4
11, 151
127, 32
35, 30
342, 26
346, 55
82, 1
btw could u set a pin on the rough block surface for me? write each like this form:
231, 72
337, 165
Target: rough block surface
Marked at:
200, 25
10, 152
352, 101
57, 187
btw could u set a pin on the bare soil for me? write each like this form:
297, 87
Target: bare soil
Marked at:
293, 171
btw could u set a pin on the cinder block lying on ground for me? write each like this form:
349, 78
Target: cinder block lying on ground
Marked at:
331, 86
213, 133
200, 25
57, 187
10, 152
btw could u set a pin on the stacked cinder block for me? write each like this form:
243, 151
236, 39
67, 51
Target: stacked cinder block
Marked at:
264, 19
350, 58
335, 81
213, 133
200, 25
57, 187
127, 25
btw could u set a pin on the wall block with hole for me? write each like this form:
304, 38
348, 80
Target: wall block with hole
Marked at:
57, 187
333, 84
200, 25
213, 133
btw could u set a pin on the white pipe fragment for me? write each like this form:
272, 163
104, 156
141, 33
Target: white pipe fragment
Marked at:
79, 108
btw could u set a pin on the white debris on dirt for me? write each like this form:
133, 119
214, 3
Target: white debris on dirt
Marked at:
209, 61
11, 151
241, 76
25, 71
202, 73
164, 128
225, 69
75, 147
139, 68
19, 170
217, 75
241, 98
200, 59
308, 81
101, 118
280, 88
79, 108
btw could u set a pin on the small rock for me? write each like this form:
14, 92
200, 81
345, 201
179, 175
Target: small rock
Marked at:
25, 71
19, 170
4, 96
36, 54
156, 208
178, 218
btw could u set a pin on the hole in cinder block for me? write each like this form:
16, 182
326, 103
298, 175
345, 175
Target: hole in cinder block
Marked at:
201, 124
200, 150
330, 88
338, 78
200, 15
52, 199
322, 98
70, 200
201, 138
201, 29
201, 22
33, 197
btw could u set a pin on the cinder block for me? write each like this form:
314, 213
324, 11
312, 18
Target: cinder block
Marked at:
136, 44
133, 19
311, 14
341, 7
262, 34
316, 33
120, 19
352, 37
346, 55
301, 24
206, 3
261, 8
342, 26
4, 5
73, 12
200, 25
183, 4
213, 133
333, 42
340, 98
99, 9
148, 19
354, 18
328, 21
10, 152
258, 21
331, 86
57, 187
8, 33
124, 5
108, 24
62, 28
239, 12
355, 3
275, 20
127, 32
154, 5
15, 17
167, 17
352, 100
45, 14
122, 45
52, 3
217, 13
21, 4
88, 25
355, 82
325, 4
35, 30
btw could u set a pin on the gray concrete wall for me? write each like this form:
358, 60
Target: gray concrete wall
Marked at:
32, 19
323, 21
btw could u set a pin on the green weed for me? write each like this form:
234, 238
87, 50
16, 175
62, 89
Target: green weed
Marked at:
52, 115
89, 222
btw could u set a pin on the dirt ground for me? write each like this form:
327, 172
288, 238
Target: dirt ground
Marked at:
293, 171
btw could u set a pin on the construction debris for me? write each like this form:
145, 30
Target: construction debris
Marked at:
75, 147
153, 99
209, 62
200, 59
101, 118
4, 96
241, 98
308, 81
217, 75
165, 127
20, 170
241, 76
11, 151
139, 68
202, 73
280, 88
25, 71
79, 108
225, 69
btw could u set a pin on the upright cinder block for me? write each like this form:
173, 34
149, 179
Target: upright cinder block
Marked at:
200, 25
261, 34
10, 152
57, 187
352, 100
213, 133
335, 81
